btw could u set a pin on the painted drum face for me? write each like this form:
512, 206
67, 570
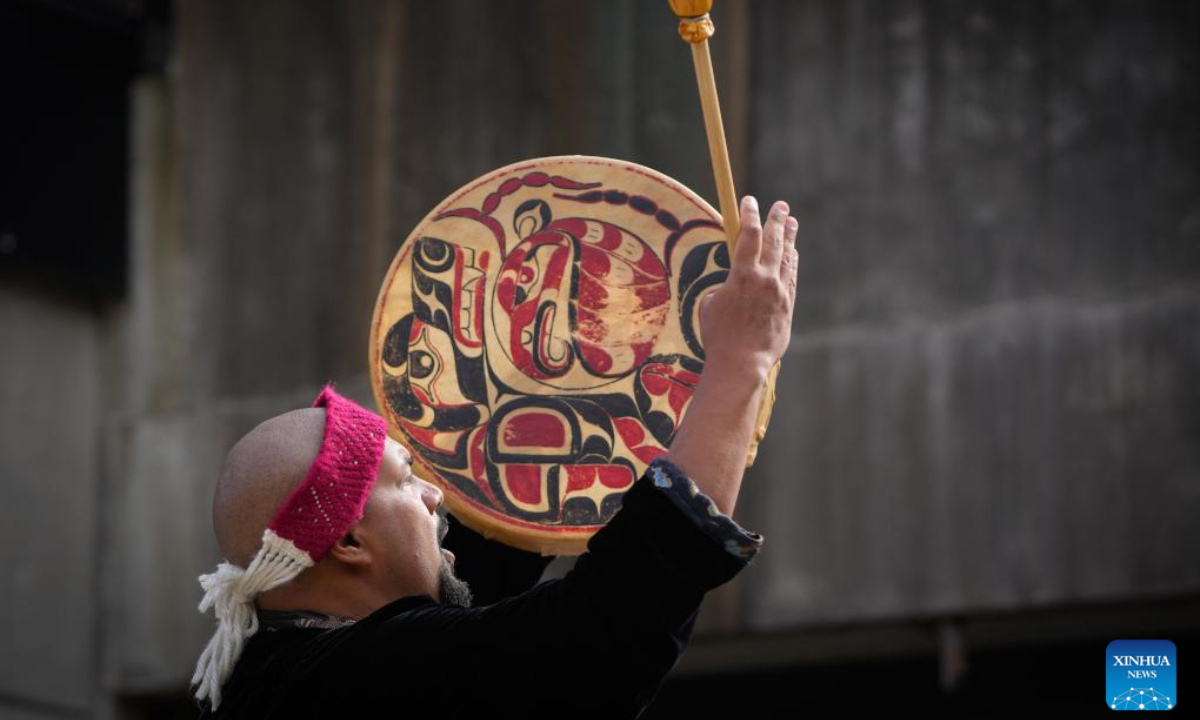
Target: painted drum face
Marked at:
535, 343
581, 293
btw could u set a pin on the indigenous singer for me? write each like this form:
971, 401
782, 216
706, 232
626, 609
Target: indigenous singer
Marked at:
347, 594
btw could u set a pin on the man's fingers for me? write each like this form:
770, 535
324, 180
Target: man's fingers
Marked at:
749, 240
789, 244
772, 241
790, 265
790, 262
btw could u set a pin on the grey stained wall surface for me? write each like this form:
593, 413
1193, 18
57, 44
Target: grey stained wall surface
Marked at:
990, 400
50, 460
989, 403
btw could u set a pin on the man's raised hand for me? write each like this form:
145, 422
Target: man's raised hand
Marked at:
747, 322
745, 326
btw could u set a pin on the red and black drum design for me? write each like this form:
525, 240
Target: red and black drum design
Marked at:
535, 342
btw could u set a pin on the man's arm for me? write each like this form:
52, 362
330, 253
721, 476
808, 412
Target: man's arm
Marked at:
745, 326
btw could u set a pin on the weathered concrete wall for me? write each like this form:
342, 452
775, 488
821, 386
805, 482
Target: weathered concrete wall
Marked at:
50, 460
990, 400
949, 155
1023, 455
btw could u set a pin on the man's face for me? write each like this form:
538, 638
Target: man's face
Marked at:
402, 530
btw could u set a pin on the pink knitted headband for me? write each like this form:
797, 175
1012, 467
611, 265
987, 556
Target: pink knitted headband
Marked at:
316, 514
333, 495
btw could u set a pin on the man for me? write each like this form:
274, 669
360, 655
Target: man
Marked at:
339, 601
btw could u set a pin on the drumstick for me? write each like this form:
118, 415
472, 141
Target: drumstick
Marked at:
696, 27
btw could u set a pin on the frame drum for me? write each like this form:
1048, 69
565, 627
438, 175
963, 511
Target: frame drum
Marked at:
535, 342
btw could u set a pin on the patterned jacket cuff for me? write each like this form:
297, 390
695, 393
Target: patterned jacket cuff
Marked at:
701, 510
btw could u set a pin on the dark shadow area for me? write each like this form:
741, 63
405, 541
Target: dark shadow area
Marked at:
1053, 680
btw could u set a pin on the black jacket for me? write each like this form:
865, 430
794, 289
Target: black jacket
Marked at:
596, 643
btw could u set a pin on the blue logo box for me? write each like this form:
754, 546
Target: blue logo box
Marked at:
1141, 675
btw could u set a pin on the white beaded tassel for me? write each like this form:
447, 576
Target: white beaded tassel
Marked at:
231, 591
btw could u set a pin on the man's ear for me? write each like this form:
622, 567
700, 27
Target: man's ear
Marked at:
349, 551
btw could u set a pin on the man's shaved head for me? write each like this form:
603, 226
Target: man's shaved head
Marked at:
392, 550
259, 473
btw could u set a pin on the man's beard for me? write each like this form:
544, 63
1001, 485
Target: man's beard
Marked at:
453, 590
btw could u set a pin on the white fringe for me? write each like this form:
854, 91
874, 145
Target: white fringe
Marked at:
231, 591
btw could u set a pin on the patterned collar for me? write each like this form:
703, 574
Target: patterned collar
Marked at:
275, 620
